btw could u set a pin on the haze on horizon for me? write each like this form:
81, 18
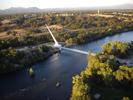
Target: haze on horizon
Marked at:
4, 4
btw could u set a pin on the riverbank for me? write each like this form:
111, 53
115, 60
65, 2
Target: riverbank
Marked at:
105, 74
73, 41
13, 60
57, 68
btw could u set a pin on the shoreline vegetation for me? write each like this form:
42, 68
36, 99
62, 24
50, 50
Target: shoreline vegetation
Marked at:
68, 27
106, 76
13, 60
71, 28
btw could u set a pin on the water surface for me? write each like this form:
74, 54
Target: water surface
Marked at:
58, 68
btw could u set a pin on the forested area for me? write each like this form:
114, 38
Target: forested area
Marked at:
28, 29
12, 60
105, 77
69, 27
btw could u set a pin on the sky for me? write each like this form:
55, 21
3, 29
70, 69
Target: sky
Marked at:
4, 4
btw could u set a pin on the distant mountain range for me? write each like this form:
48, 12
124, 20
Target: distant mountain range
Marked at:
14, 10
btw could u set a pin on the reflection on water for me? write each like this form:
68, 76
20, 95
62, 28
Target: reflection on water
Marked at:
95, 45
58, 68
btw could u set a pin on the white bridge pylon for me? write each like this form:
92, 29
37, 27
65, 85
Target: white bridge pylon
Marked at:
57, 45
55, 41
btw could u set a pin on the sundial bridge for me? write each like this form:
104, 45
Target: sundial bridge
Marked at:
57, 45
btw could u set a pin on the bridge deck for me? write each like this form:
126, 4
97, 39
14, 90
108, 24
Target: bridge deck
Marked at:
69, 49
78, 51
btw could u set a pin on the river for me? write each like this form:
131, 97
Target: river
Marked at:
58, 68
